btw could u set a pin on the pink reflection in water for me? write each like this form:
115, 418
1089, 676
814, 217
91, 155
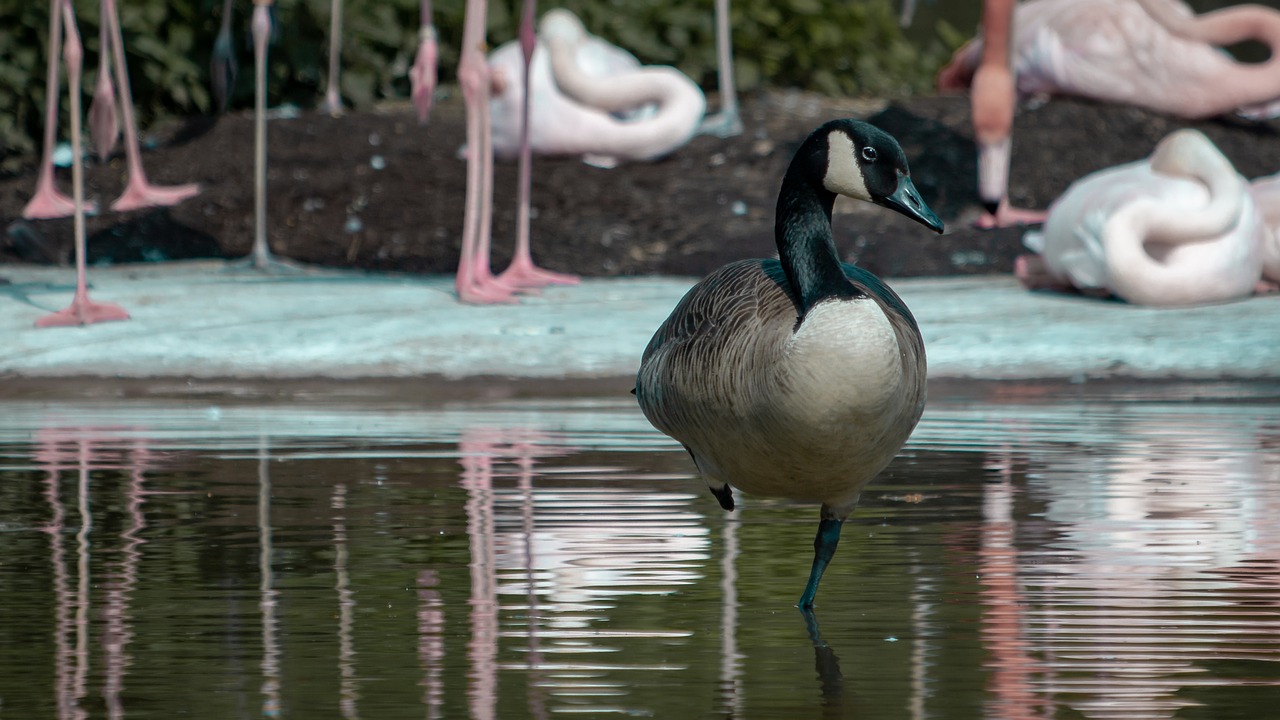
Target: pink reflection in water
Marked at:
1165, 559
90, 450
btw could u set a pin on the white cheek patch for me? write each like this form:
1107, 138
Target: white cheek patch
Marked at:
844, 177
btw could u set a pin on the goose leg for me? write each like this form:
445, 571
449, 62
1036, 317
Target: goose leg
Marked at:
824, 546
138, 193
727, 122
522, 273
48, 201
82, 310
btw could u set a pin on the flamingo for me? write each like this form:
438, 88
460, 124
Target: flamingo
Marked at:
332, 97
82, 310
591, 98
1155, 54
1179, 228
48, 202
475, 282
260, 256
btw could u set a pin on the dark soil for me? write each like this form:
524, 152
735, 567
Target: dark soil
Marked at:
710, 202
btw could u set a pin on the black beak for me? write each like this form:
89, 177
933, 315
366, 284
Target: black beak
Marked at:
906, 200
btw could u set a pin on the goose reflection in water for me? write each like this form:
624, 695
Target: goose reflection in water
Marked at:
1164, 559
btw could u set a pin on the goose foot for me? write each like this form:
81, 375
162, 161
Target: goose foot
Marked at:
724, 494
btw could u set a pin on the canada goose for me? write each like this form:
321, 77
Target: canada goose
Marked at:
1178, 228
799, 377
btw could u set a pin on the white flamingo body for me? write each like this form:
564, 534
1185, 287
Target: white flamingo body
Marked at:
611, 106
1152, 53
1179, 228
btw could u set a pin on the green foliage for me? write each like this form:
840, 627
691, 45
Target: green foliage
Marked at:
838, 48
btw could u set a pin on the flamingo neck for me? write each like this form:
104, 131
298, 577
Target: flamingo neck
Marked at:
680, 104
1247, 81
1187, 156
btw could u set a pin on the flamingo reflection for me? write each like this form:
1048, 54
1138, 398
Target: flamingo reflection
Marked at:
1119, 616
573, 571
91, 450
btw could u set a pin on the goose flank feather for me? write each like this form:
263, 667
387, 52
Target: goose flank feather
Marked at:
799, 377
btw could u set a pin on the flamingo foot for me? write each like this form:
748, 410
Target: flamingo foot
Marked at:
479, 287
268, 265
83, 311
722, 125
485, 293
142, 194
1033, 274
49, 203
1009, 216
524, 275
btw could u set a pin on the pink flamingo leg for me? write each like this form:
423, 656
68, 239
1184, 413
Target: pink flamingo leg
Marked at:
138, 193
260, 257
332, 98
475, 282
82, 310
104, 124
48, 201
992, 99
522, 273
422, 77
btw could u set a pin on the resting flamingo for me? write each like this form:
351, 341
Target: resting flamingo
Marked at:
1155, 54
1179, 228
48, 201
591, 98
82, 310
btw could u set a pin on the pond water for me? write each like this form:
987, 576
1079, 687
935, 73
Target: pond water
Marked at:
1025, 557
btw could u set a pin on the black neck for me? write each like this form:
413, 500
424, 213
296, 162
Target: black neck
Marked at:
806, 249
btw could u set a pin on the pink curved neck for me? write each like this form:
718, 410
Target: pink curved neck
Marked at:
1219, 27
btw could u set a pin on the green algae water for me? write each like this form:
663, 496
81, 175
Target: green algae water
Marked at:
1023, 558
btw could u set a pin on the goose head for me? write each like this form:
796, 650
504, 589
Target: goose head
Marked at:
863, 162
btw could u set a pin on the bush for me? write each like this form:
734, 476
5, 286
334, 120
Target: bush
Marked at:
833, 47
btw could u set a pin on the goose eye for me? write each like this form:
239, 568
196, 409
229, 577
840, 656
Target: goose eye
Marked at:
869, 154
